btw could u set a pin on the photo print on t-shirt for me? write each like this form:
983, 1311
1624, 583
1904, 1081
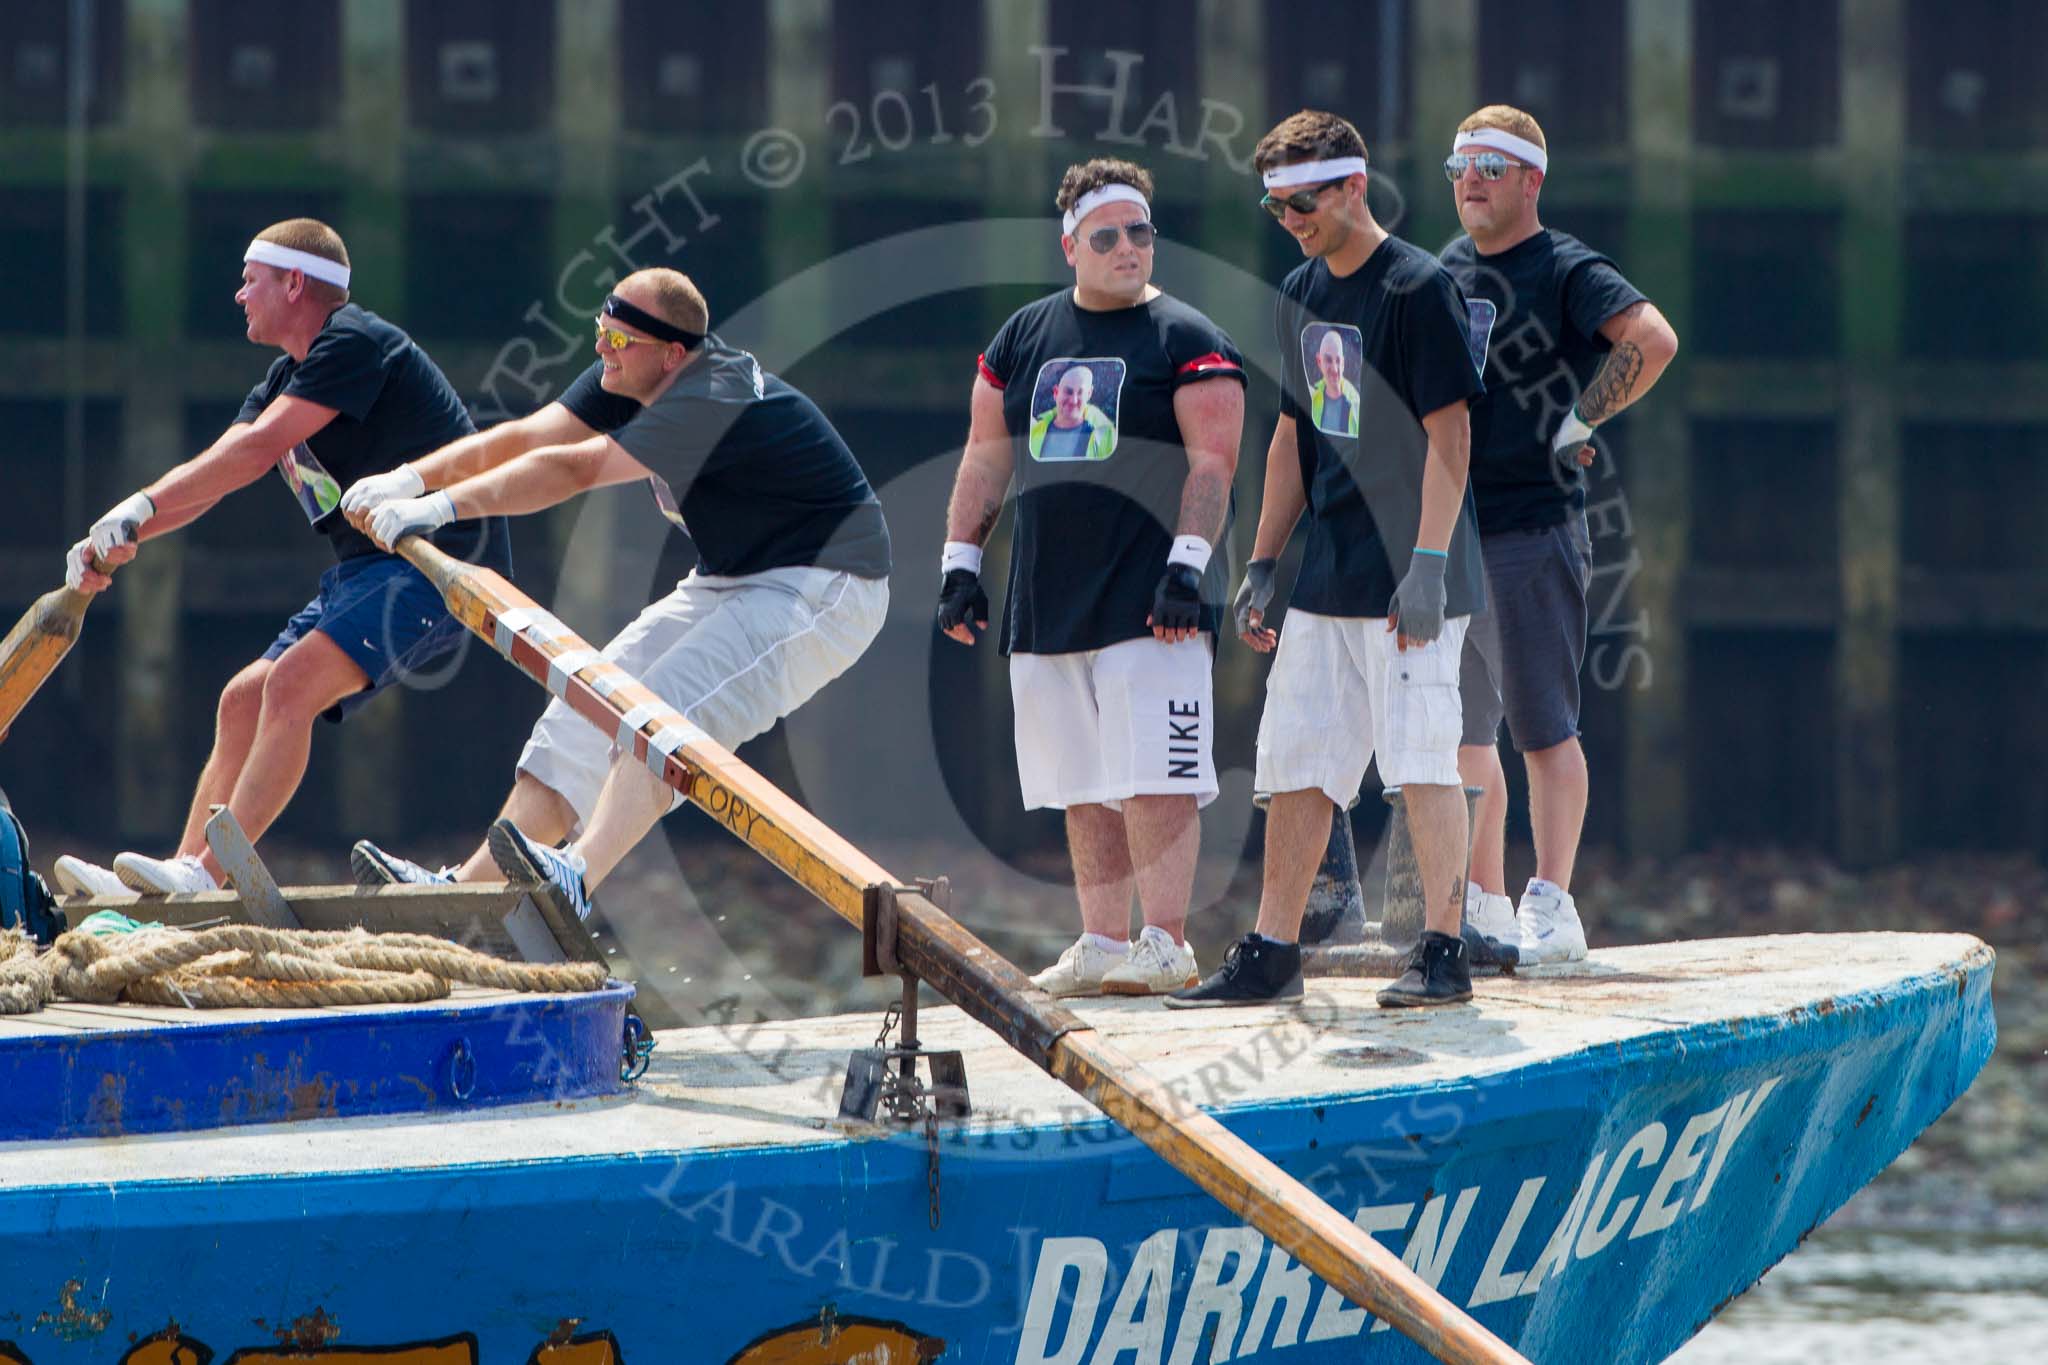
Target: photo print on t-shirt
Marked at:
1332, 357
317, 491
1074, 407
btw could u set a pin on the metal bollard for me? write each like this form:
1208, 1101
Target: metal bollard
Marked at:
1401, 914
1336, 901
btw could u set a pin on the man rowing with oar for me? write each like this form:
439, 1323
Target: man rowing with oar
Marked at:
351, 396
791, 583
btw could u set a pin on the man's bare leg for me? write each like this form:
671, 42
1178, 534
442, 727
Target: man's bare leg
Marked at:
234, 727
631, 803
1436, 829
1557, 808
1297, 832
542, 814
1099, 843
305, 680
1479, 766
1164, 834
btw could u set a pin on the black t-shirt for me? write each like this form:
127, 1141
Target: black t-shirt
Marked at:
761, 479
597, 407
1100, 463
392, 404
1543, 300
1363, 360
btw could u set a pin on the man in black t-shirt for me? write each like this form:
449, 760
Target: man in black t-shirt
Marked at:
791, 583
1568, 343
351, 396
1367, 669
1118, 410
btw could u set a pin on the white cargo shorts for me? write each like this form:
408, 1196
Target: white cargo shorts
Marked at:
734, 655
1341, 695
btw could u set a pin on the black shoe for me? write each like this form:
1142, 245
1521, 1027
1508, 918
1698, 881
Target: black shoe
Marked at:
1482, 951
1254, 972
1436, 975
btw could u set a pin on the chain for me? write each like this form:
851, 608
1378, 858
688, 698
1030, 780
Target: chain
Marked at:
931, 1174
890, 1017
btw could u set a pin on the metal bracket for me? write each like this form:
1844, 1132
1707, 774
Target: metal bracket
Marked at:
878, 920
252, 880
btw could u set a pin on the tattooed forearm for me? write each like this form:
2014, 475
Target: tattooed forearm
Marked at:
1202, 500
1614, 387
991, 508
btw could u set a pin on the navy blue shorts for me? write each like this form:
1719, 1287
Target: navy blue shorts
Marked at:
384, 615
1524, 651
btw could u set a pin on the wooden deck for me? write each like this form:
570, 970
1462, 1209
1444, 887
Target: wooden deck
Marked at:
778, 1084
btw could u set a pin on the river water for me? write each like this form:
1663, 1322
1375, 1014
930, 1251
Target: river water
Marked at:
1871, 1296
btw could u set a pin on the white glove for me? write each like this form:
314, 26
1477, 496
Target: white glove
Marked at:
76, 563
1572, 433
394, 521
122, 521
368, 494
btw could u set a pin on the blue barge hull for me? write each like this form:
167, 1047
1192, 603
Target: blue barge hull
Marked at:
1593, 1161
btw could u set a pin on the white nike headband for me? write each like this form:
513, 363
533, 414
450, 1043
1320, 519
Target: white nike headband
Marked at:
1313, 172
291, 258
1502, 141
1095, 199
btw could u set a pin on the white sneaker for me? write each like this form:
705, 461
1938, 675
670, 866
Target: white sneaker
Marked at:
1079, 971
77, 877
1549, 924
1154, 966
1491, 914
163, 876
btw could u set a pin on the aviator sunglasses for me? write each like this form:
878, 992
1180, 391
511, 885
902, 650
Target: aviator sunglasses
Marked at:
1491, 166
1103, 239
1301, 201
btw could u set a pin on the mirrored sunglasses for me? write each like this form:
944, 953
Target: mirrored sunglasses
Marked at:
616, 340
1141, 233
1491, 165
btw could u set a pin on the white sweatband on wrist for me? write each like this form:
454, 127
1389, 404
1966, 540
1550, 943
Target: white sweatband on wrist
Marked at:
1313, 172
1192, 551
1572, 431
1095, 199
960, 554
1503, 141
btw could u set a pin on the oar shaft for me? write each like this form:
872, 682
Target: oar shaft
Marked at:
954, 962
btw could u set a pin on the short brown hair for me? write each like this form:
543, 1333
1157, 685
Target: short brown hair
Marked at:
1508, 119
315, 238
676, 299
1311, 135
1088, 176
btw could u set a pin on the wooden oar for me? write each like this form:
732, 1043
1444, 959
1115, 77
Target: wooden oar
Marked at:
37, 644
954, 962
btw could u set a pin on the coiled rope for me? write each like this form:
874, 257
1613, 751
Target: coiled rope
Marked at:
250, 966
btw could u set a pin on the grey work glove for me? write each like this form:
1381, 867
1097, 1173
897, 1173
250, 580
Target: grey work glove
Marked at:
1418, 606
1255, 594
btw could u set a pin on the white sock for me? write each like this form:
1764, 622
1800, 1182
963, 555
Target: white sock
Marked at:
1539, 887
1117, 946
1158, 936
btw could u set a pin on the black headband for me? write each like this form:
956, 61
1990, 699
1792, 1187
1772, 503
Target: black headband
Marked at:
650, 324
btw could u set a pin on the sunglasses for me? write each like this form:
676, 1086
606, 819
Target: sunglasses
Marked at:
1141, 233
616, 340
1491, 166
1303, 200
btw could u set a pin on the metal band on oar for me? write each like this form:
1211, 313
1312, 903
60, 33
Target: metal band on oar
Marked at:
959, 966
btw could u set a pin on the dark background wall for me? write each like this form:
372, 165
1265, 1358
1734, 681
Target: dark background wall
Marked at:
1820, 616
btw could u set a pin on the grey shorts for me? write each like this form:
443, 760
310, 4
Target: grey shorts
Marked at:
1524, 652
